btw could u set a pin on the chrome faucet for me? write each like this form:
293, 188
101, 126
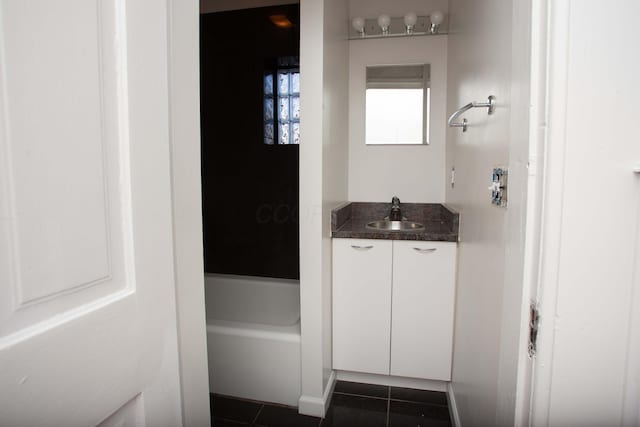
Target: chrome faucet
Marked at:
395, 214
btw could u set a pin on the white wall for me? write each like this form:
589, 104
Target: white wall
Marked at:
521, 234
334, 150
187, 211
395, 8
323, 183
588, 369
414, 173
209, 6
488, 54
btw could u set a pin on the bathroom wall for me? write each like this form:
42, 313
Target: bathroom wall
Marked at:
245, 182
208, 6
489, 54
335, 126
374, 8
413, 173
323, 183
187, 212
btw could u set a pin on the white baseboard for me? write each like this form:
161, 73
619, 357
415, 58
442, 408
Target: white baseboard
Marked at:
314, 406
328, 391
390, 380
317, 406
453, 408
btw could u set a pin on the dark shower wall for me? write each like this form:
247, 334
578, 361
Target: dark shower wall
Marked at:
250, 190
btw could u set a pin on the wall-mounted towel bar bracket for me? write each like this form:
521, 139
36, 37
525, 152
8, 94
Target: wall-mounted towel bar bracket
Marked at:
490, 105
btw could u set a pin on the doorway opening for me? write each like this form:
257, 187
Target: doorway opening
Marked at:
250, 115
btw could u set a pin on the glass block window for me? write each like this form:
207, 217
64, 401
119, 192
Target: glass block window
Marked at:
282, 103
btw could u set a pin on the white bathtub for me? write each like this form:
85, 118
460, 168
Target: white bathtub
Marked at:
253, 337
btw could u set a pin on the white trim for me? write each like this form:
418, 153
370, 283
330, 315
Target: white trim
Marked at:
630, 408
453, 406
534, 206
557, 56
317, 407
328, 391
416, 383
313, 406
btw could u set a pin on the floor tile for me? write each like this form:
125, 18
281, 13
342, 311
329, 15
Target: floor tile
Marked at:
280, 416
220, 422
370, 390
234, 409
405, 414
419, 396
356, 411
352, 405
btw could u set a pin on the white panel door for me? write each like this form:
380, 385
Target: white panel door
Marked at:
361, 305
87, 302
422, 309
587, 368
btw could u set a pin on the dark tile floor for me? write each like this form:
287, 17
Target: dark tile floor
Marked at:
352, 405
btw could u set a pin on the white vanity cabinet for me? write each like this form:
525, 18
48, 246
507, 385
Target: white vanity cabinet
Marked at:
393, 303
362, 305
422, 301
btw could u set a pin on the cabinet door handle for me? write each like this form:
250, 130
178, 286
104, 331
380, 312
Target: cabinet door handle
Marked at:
362, 248
424, 251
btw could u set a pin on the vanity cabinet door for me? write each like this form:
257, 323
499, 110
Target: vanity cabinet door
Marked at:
422, 309
361, 305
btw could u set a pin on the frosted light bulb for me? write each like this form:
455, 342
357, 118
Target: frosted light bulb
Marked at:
358, 25
384, 21
436, 19
410, 20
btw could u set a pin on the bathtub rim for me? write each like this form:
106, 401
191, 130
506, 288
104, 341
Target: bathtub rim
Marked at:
264, 321
293, 282
255, 330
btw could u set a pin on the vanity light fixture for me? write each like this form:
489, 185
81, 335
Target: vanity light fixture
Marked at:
436, 19
411, 24
383, 22
358, 25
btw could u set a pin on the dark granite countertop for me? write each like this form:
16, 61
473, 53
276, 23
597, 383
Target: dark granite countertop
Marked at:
441, 222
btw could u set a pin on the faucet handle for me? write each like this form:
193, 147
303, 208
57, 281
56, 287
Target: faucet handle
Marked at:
395, 201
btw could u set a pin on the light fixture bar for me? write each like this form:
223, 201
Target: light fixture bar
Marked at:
397, 28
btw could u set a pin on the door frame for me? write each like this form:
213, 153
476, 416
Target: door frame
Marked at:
555, 48
554, 52
536, 205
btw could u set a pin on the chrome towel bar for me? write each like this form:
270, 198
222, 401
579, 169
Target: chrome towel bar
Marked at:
490, 105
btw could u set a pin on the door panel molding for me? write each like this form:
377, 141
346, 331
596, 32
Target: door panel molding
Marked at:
67, 235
